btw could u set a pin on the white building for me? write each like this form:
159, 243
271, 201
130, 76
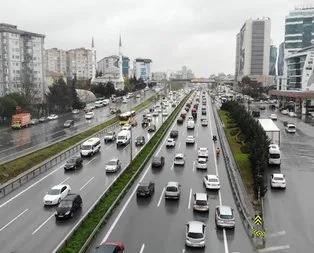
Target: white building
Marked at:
142, 69
80, 63
21, 62
109, 65
159, 76
253, 50
56, 61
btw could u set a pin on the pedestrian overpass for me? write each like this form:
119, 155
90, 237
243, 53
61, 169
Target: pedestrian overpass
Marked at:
193, 80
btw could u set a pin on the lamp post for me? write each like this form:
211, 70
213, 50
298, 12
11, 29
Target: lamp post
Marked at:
131, 148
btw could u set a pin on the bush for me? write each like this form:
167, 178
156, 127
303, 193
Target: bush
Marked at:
230, 121
232, 125
233, 132
245, 149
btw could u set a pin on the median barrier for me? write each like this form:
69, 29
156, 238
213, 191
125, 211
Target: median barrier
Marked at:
83, 233
44, 166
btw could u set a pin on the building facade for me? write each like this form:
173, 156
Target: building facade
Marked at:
159, 76
142, 69
281, 59
80, 63
21, 62
110, 64
272, 60
56, 61
126, 66
252, 50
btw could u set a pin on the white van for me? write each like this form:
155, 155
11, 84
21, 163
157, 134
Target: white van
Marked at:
123, 138
274, 154
190, 124
90, 147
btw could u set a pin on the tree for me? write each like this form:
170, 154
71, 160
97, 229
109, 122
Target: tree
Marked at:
127, 83
8, 106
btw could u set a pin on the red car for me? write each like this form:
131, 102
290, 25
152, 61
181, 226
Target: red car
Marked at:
110, 247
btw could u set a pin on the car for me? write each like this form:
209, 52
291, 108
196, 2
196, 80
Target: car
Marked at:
75, 111
204, 111
73, 163
155, 113
56, 194
158, 162
273, 116
278, 180
145, 189
165, 114
190, 139
43, 119
211, 182
224, 217
110, 136
292, 114
290, 128
202, 152
145, 122
200, 202
53, 116
174, 134
113, 165
110, 247
138, 96
172, 190
34, 121
113, 110
201, 163
68, 206
140, 141
284, 112
195, 234
170, 143
89, 115
204, 122
179, 159
262, 107
126, 127
68, 123
151, 128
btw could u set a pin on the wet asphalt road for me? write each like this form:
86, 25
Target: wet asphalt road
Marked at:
14, 143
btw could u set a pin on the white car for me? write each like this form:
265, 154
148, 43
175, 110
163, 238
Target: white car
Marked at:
170, 142
124, 101
290, 128
155, 113
75, 111
164, 114
211, 182
285, 112
56, 194
126, 127
138, 96
53, 117
278, 181
179, 159
273, 116
89, 115
202, 153
292, 114
190, 139
204, 122
201, 164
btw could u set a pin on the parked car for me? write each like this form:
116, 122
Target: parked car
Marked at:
73, 163
89, 115
34, 121
43, 119
68, 206
110, 136
145, 189
53, 117
68, 123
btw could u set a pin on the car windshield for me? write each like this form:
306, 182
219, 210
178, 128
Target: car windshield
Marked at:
226, 216
139, 138
121, 137
143, 187
215, 180
274, 156
179, 158
279, 178
201, 161
195, 235
65, 203
112, 163
109, 134
72, 160
201, 202
86, 147
156, 160
54, 192
68, 122
172, 189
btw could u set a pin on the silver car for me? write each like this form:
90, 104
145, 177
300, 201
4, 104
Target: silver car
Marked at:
224, 217
172, 190
113, 165
195, 234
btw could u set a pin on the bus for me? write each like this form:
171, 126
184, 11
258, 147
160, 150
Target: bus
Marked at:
124, 118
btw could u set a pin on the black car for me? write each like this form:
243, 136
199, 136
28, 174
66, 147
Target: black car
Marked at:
262, 107
145, 189
139, 141
180, 120
151, 128
203, 112
69, 123
68, 206
158, 162
73, 163
174, 134
256, 114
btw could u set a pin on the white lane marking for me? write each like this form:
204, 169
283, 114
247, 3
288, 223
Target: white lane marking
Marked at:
42, 224
29, 187
193, 166
65, 180
142, 248
190, 198
275, 248
276, 234
8, 224
86, 183
179, 145
161, 196
90, 161
171, 168
123, 208
109, 147
126, 147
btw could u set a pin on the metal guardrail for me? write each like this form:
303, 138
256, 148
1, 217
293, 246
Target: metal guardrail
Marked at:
119, 197
37, 170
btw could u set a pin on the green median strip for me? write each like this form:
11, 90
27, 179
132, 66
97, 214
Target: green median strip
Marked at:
78, 239
14, 168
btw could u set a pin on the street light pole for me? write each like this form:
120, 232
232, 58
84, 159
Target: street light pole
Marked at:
131, 149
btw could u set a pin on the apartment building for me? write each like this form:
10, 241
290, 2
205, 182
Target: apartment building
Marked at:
80, 63
56, 60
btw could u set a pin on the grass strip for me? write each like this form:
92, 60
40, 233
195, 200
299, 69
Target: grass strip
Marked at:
14, 168
241, 158
78, 239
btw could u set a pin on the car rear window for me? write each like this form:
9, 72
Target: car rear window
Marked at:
201, 202
195, 235
172, 189
226, 216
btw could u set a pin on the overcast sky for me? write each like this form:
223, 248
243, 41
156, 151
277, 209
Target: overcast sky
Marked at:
197, 33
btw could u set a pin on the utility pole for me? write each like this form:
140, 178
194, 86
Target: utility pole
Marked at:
131, 149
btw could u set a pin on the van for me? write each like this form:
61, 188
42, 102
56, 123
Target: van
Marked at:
224, 217
123, 138
90, 147
274, 154
195, 234
172, 190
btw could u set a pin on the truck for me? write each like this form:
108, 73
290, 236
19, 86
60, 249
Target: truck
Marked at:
271, 130
21, 120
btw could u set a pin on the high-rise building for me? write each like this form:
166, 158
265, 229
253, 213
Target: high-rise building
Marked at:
281, 59
110, 64
80, 63
55, 61
252, 50
272, 60
142, 69
125, 66
22, 62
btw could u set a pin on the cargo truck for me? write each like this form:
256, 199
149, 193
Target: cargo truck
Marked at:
271, 130
21, 120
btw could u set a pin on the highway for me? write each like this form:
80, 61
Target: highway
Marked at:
27, 226
14, 143
152, 225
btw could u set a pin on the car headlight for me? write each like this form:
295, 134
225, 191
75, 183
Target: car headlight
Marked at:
67, 213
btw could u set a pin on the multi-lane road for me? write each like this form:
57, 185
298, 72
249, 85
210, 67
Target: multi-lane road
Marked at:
26, 226
153, 225
14, 143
